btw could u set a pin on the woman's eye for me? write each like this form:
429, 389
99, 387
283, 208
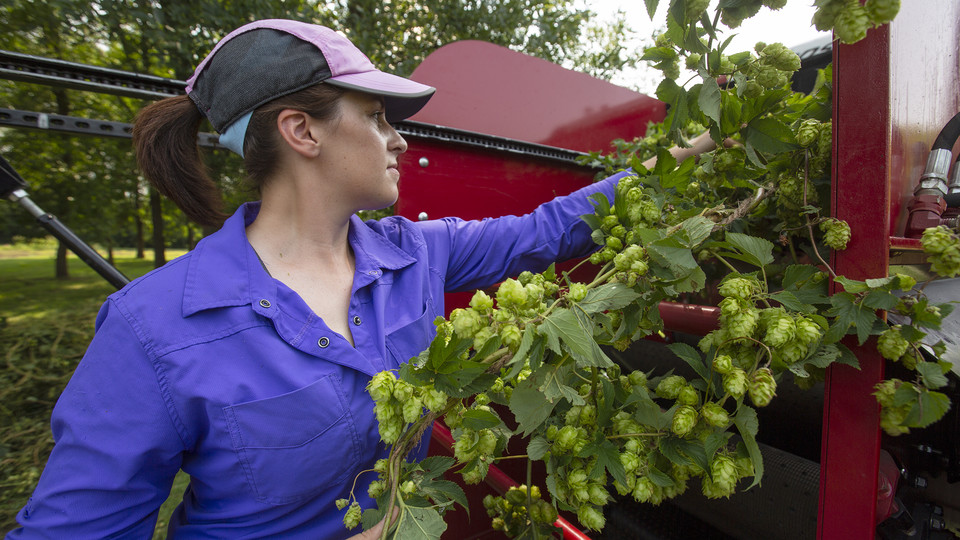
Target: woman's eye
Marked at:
378, 116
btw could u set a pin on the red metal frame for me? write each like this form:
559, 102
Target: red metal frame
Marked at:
893, 92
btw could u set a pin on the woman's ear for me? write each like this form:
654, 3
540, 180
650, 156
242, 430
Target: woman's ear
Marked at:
300, 131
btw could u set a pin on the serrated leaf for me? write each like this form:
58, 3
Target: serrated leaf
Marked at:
529, 408
420, 523
692, 357
670, 254
651, 7
929, 407
931, 374
697, 229
796, 273
553, 384
441, 490
671, 448
477, 419
538, 447
677, 110
748, 425
607, 297
790, 301
710, 101
769, 135
608, 457
563, 327
880, 299
658, 477
759, 251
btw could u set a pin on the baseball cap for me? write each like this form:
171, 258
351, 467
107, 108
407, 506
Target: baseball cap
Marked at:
270, 58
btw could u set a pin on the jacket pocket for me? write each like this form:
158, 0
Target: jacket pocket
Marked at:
408, 339
297, 444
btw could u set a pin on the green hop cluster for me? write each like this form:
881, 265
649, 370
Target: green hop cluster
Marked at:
762, 387
882, 11
790, 196
942, 247
510, 513
774, 67
684, 420
577, 292
715, 415
590, 517
738, 286
892, 416
695, 8
723, 478
780, 327
722, 364
669, 387
466, 322
735, 382
481, 302
808, 133
352, 518
850, 20
567, 439
836, 233
477, 448
891, 344
775, 4
397, 403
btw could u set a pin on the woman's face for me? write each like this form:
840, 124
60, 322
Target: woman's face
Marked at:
361, 151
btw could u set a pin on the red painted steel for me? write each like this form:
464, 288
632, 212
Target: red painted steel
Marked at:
490, 89
893, 92
689, 318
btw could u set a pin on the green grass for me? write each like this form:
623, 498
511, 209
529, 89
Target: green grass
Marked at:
45, 325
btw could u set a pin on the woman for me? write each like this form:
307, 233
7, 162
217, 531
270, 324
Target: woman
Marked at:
245, 362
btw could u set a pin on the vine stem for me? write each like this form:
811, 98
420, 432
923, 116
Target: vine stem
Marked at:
536, 531
813, 241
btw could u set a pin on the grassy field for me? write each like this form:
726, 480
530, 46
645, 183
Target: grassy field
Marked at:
45, 325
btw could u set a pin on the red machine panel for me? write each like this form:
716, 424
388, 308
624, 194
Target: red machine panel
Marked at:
893, 92
490, 89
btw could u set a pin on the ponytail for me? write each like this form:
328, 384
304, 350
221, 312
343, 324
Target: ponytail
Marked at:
165, 139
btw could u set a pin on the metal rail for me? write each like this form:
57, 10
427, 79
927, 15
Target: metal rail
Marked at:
60, 73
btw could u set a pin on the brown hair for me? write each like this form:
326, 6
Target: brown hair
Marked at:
165, 139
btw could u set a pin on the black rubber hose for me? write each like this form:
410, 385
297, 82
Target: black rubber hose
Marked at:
949, 134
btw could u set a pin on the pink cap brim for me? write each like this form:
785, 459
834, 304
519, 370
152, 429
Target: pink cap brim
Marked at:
403, 97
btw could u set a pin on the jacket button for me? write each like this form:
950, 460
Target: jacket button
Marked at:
323, 342
356, 320
264, 303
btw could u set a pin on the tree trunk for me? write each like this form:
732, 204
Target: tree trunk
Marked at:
61, 271
156, 213
138, 221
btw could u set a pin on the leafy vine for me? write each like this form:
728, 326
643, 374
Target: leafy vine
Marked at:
530, 360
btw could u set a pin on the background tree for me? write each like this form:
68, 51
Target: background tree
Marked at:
92, 184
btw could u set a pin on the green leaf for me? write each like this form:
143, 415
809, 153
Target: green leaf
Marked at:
849, 312
538, 447
880, 299
445, 490
658, 477
931, 374
748, 425
420, 523
477, 419
563, 327
790, 301
676, 99
608, 457
607, 297
769, 135
797, 273
759, 251
929, 407
658, 54
529, 408
553, 385
697, 229
669, 253
692, 357
710, 101
651, 7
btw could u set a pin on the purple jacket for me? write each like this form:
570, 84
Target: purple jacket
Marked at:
210, 365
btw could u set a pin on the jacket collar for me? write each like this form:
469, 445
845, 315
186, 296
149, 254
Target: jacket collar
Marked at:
224, 269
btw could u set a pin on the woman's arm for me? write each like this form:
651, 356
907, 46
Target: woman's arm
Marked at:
117, 448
